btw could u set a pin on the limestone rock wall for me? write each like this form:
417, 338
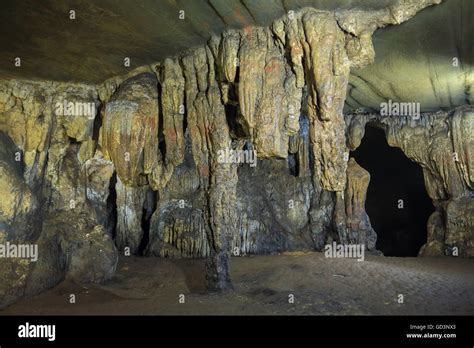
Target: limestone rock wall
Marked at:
46, 161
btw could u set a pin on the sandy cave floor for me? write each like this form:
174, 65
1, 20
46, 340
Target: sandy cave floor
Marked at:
263, 283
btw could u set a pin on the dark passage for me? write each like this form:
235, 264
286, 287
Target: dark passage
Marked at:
112, 207
397, 202
149, 208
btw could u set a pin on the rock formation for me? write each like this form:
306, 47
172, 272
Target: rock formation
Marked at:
144, 174
50, 197
442, 144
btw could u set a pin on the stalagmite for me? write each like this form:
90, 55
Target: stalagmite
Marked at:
209, 133
358, 228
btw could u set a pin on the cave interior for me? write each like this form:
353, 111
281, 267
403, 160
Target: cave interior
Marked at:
234, 130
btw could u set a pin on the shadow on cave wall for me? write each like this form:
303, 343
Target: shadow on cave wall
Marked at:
401, 230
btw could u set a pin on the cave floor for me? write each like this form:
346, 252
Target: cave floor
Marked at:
263, 284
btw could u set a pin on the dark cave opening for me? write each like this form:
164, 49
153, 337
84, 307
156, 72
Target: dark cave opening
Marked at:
111, 204
97, 124
73, 141
231, 112
149, 208
236, 129
397, 202
293, 164
146, 231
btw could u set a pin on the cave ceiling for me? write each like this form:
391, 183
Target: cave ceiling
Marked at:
428, 59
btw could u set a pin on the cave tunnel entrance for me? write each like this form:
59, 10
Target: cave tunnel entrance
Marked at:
397, 202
